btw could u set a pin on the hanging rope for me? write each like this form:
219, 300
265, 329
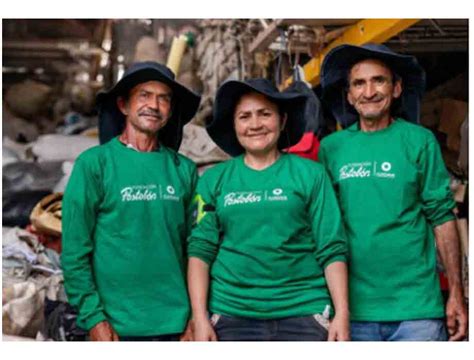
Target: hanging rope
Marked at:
280, 56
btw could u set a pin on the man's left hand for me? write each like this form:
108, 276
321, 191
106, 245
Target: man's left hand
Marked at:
187, 335
456, 317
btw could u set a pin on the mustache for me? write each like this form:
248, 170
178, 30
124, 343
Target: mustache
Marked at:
151, 112
376, 98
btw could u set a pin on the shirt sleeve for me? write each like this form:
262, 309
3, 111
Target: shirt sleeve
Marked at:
322, 157
322, 153
204, 240
327, 227
191, 203
436, 196
80, 207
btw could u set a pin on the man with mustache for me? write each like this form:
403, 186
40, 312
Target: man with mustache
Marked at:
393, 189
127, 212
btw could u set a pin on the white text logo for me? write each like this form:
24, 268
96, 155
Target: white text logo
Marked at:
354, 170
235, 198
139, 193
277, 195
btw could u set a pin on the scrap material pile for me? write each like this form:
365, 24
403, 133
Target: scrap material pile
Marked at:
37, 161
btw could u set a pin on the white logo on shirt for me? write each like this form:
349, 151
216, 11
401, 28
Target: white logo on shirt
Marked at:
277, 195
170, 195
149, 192
243, 197
139, 193
249, 197
355, 170
365, 170
386, 166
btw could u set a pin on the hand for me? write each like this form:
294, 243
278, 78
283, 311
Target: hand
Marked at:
339, 328
456, 317
203, 330
103, 331
188, 334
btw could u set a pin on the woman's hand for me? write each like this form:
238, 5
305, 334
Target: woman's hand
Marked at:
339, 328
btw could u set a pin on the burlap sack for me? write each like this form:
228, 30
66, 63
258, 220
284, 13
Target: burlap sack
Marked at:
199, 147
28, 99
148, 49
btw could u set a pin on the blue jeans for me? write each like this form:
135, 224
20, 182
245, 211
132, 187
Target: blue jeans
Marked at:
168, 337
302, 328
411, 330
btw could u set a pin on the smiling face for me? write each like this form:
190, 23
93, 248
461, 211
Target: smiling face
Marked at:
372, 90
258, 123
148, 106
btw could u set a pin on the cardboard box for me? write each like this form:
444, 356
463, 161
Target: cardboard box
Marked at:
453, 113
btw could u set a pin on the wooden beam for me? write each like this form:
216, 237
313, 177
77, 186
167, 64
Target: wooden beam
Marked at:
364, 31
319, 22
430, 46
265, 37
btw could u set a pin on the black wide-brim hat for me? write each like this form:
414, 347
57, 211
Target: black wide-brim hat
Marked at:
185, 103
221, 129
335, 70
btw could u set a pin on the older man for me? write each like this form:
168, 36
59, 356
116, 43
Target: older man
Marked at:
127, 211
393, 189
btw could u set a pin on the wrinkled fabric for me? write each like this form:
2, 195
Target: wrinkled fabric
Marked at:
17, 206
29, 176
23, 254
66, 167
55, 147
60, 323
199, 147
9, 156
23, 303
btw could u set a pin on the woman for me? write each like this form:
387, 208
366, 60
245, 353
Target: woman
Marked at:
269, 240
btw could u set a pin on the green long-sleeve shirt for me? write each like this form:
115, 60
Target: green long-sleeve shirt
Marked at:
126, 216
393, 188
268, 236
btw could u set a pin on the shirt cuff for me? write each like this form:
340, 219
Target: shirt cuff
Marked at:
200, 256
94, 320
341, 258
441, 220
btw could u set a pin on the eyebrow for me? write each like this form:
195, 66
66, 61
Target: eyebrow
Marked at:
249, 111
151, 92
377, 77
